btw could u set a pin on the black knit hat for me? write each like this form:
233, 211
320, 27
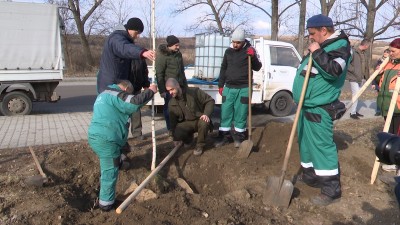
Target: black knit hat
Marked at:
134, 24
172, 40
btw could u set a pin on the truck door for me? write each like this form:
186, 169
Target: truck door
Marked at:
284, 61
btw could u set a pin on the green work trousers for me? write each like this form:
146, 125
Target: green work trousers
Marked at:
184, 131
317, 148
108, 153
235, 107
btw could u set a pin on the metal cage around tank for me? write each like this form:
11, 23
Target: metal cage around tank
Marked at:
210, 49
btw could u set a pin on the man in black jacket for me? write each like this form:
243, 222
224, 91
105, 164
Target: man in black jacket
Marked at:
233, 86
118, 52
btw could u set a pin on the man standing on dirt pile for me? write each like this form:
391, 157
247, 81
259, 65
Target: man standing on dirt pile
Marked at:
190, 111
233, 86
108, 132
356, 73
331, 55
169, 64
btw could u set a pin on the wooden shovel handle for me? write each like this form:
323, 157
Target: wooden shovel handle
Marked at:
250, 93
37, 162
388, 120
146, 181
296, 118
365, 86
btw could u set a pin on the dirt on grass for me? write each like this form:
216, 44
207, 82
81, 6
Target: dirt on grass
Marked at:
227, 190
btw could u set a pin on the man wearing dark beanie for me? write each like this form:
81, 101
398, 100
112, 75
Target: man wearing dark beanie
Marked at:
330, 52
169, 64
118, 51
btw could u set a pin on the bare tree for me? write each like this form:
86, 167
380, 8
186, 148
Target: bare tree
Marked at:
275, 16
326, 6
81, 20
302, 25
220, 15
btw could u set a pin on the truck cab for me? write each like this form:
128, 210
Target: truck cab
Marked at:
272, 85
31, 56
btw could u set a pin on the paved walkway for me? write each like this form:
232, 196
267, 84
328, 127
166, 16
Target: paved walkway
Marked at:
31, 130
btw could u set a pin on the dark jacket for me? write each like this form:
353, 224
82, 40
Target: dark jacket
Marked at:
234, 67
115, 62
357, 69
139, 75
169, 64
387, 85
328, 71
194, 103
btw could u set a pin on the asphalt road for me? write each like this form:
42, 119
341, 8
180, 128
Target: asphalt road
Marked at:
79, 96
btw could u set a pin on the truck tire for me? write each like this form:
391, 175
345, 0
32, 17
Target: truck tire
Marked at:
281, 104
16, 103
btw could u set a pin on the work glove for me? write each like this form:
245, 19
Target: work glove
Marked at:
251, 51
220, 90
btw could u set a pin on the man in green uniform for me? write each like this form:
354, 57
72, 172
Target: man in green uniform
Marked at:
108, 132
331, 55
233, 86
190, 111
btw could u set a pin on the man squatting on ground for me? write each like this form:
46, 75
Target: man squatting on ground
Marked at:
331, 55
108, 132
169, 64
233, 86
190, 111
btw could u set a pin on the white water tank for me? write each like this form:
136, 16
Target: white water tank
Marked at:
210, 49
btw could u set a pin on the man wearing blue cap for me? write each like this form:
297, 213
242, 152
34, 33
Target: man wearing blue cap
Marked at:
331, 55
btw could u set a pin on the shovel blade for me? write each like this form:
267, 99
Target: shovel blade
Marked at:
36, 181
276, 194
245, 149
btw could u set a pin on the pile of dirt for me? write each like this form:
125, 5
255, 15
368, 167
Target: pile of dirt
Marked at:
227, 190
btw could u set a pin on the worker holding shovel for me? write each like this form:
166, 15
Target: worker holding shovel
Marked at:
108, 132
331, 56
233, 86
390, 74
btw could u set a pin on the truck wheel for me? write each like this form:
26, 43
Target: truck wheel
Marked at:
281, 104
16, 103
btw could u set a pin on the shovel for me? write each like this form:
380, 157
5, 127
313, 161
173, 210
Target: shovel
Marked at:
246, 146
388, 120
279, 191
37, 180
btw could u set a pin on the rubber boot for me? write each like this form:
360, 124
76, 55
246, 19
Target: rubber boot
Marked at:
309, 177
239, 137
330, 190
224, 137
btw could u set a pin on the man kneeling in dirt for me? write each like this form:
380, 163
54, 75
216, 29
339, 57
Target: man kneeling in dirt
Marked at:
108, 132
190, 109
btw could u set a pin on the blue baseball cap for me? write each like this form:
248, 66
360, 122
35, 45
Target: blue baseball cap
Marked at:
319, 21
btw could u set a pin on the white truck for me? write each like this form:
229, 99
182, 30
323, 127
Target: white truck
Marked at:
31, 56
272, 85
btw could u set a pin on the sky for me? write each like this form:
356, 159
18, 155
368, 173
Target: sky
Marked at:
178, 23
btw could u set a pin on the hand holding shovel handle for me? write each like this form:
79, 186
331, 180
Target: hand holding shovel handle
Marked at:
388, 120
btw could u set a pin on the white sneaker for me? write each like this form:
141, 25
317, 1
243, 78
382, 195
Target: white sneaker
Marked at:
389, 168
